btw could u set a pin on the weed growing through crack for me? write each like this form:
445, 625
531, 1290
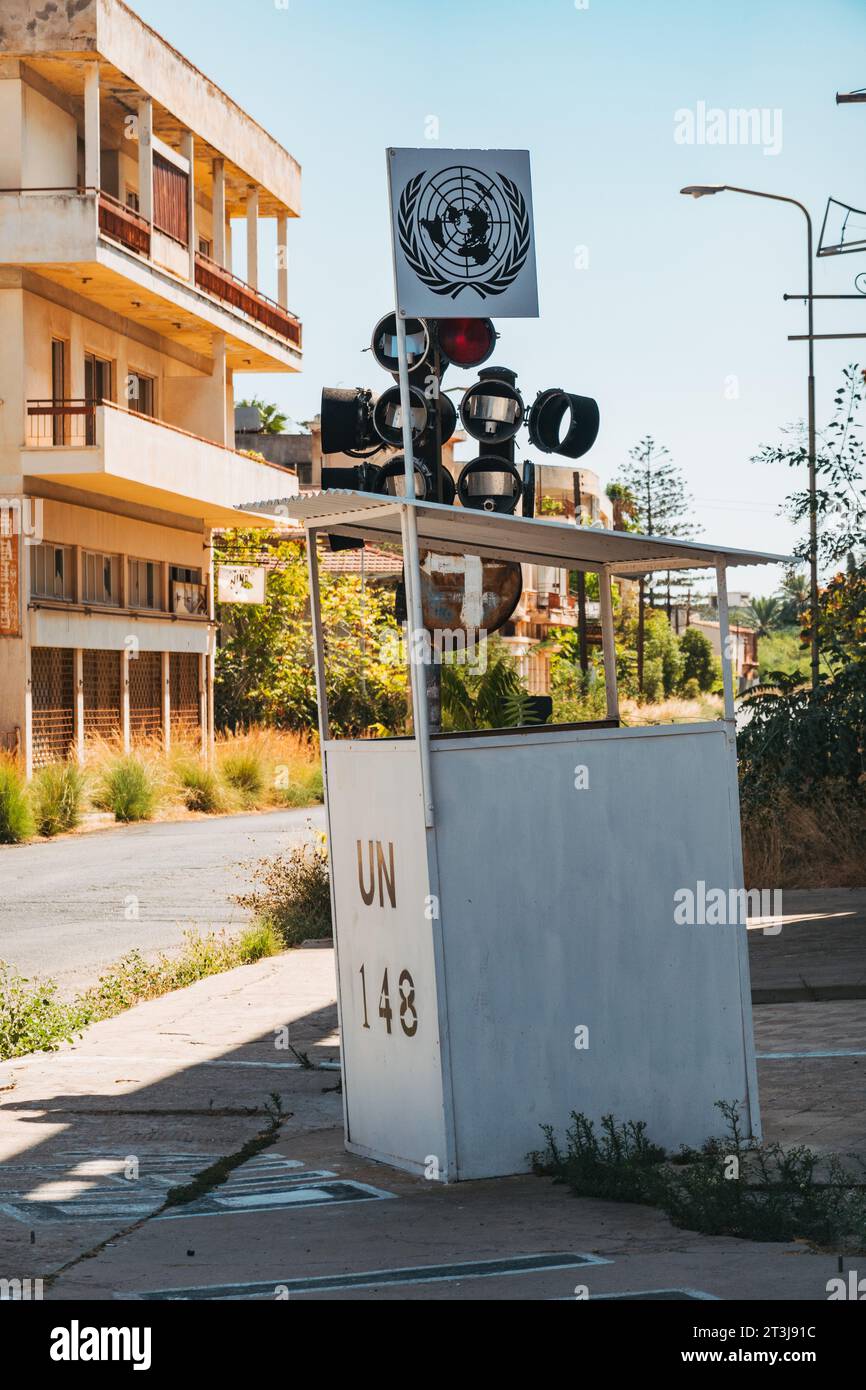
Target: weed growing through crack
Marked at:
731, 1186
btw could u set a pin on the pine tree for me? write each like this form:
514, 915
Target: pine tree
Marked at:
663, 507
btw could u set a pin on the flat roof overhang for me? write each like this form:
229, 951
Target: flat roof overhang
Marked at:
457, 530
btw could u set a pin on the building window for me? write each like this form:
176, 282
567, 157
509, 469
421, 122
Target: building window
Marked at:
132, 200
101, 578
98, 381
145, 584
170, 194
141, 394
181, 575
205, 247
51, 571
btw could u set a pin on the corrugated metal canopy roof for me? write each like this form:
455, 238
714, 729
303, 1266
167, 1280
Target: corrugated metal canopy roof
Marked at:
539, 541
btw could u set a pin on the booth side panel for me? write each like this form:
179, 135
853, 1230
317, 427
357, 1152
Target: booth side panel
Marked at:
386, 971
571, 986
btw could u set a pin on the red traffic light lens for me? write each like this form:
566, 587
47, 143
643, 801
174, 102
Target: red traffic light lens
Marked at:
467, 342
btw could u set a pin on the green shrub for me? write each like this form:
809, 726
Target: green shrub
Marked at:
295, 896
303, 789
245, 772
58, 796
32, 1018
16, 818
731, 1187
128, 789
699, 662
200, 787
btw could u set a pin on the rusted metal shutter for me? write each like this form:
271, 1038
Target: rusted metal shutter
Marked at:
53, 704
145, 695
102, 695
170, 193
185, 711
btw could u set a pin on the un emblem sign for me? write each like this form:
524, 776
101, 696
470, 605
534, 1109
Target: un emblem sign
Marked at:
463, 233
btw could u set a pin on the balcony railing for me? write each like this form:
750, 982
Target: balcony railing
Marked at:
124, 225
216, 280
58, 424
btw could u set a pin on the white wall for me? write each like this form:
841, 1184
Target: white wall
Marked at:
49, 143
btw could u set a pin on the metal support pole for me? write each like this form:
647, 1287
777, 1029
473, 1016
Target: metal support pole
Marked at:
725, 638
608, 642
318, 638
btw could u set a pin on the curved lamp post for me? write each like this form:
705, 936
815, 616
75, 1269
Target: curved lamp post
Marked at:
705, 190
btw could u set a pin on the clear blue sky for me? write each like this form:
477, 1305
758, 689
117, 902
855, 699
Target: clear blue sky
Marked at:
678, 297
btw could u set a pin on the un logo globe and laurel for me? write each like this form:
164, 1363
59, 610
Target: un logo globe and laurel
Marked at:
463, 229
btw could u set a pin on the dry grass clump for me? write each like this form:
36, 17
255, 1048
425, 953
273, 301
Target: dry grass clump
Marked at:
819, 843
674, 710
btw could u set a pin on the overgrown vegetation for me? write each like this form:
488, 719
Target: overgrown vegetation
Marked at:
57, 797
33, 1018
127, 788
293, 898
16, 817
731, 1186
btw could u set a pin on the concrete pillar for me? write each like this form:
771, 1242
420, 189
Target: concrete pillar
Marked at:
221, 435
145, 158
125, 725
219, 211
78, 696
91, 127
229, 258
165, 659
283, 261
187, 149
253, 238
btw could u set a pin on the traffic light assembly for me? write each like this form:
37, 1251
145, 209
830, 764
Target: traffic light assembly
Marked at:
491, 411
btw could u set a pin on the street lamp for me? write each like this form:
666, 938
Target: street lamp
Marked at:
703, 190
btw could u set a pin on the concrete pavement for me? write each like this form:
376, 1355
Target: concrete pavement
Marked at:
70, 906
92, 1138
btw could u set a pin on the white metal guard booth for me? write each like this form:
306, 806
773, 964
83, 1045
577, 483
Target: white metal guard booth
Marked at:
485, 908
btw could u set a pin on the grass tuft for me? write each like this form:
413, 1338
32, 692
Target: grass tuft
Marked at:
128, 788
16, 817
57, 795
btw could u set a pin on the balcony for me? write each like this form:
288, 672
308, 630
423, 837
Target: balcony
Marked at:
99, 448
124, 225
216, 280
100, 250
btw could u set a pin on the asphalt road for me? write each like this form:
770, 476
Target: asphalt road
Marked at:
70, 906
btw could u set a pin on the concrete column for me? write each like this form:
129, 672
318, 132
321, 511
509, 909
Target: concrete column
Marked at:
145, 158
124, 700
283, 261
253, 238
91, 127
78, 696
219, 211
187, 149
229, 259
165, 658
210, 659
221, 435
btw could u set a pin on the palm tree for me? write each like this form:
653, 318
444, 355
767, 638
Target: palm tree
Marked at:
273, 420
795, 588
766, 614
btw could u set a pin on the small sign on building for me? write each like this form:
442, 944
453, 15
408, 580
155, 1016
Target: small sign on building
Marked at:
241, 584
463, 234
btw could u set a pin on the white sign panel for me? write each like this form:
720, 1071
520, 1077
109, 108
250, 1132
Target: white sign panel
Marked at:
241, 584
463, 235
